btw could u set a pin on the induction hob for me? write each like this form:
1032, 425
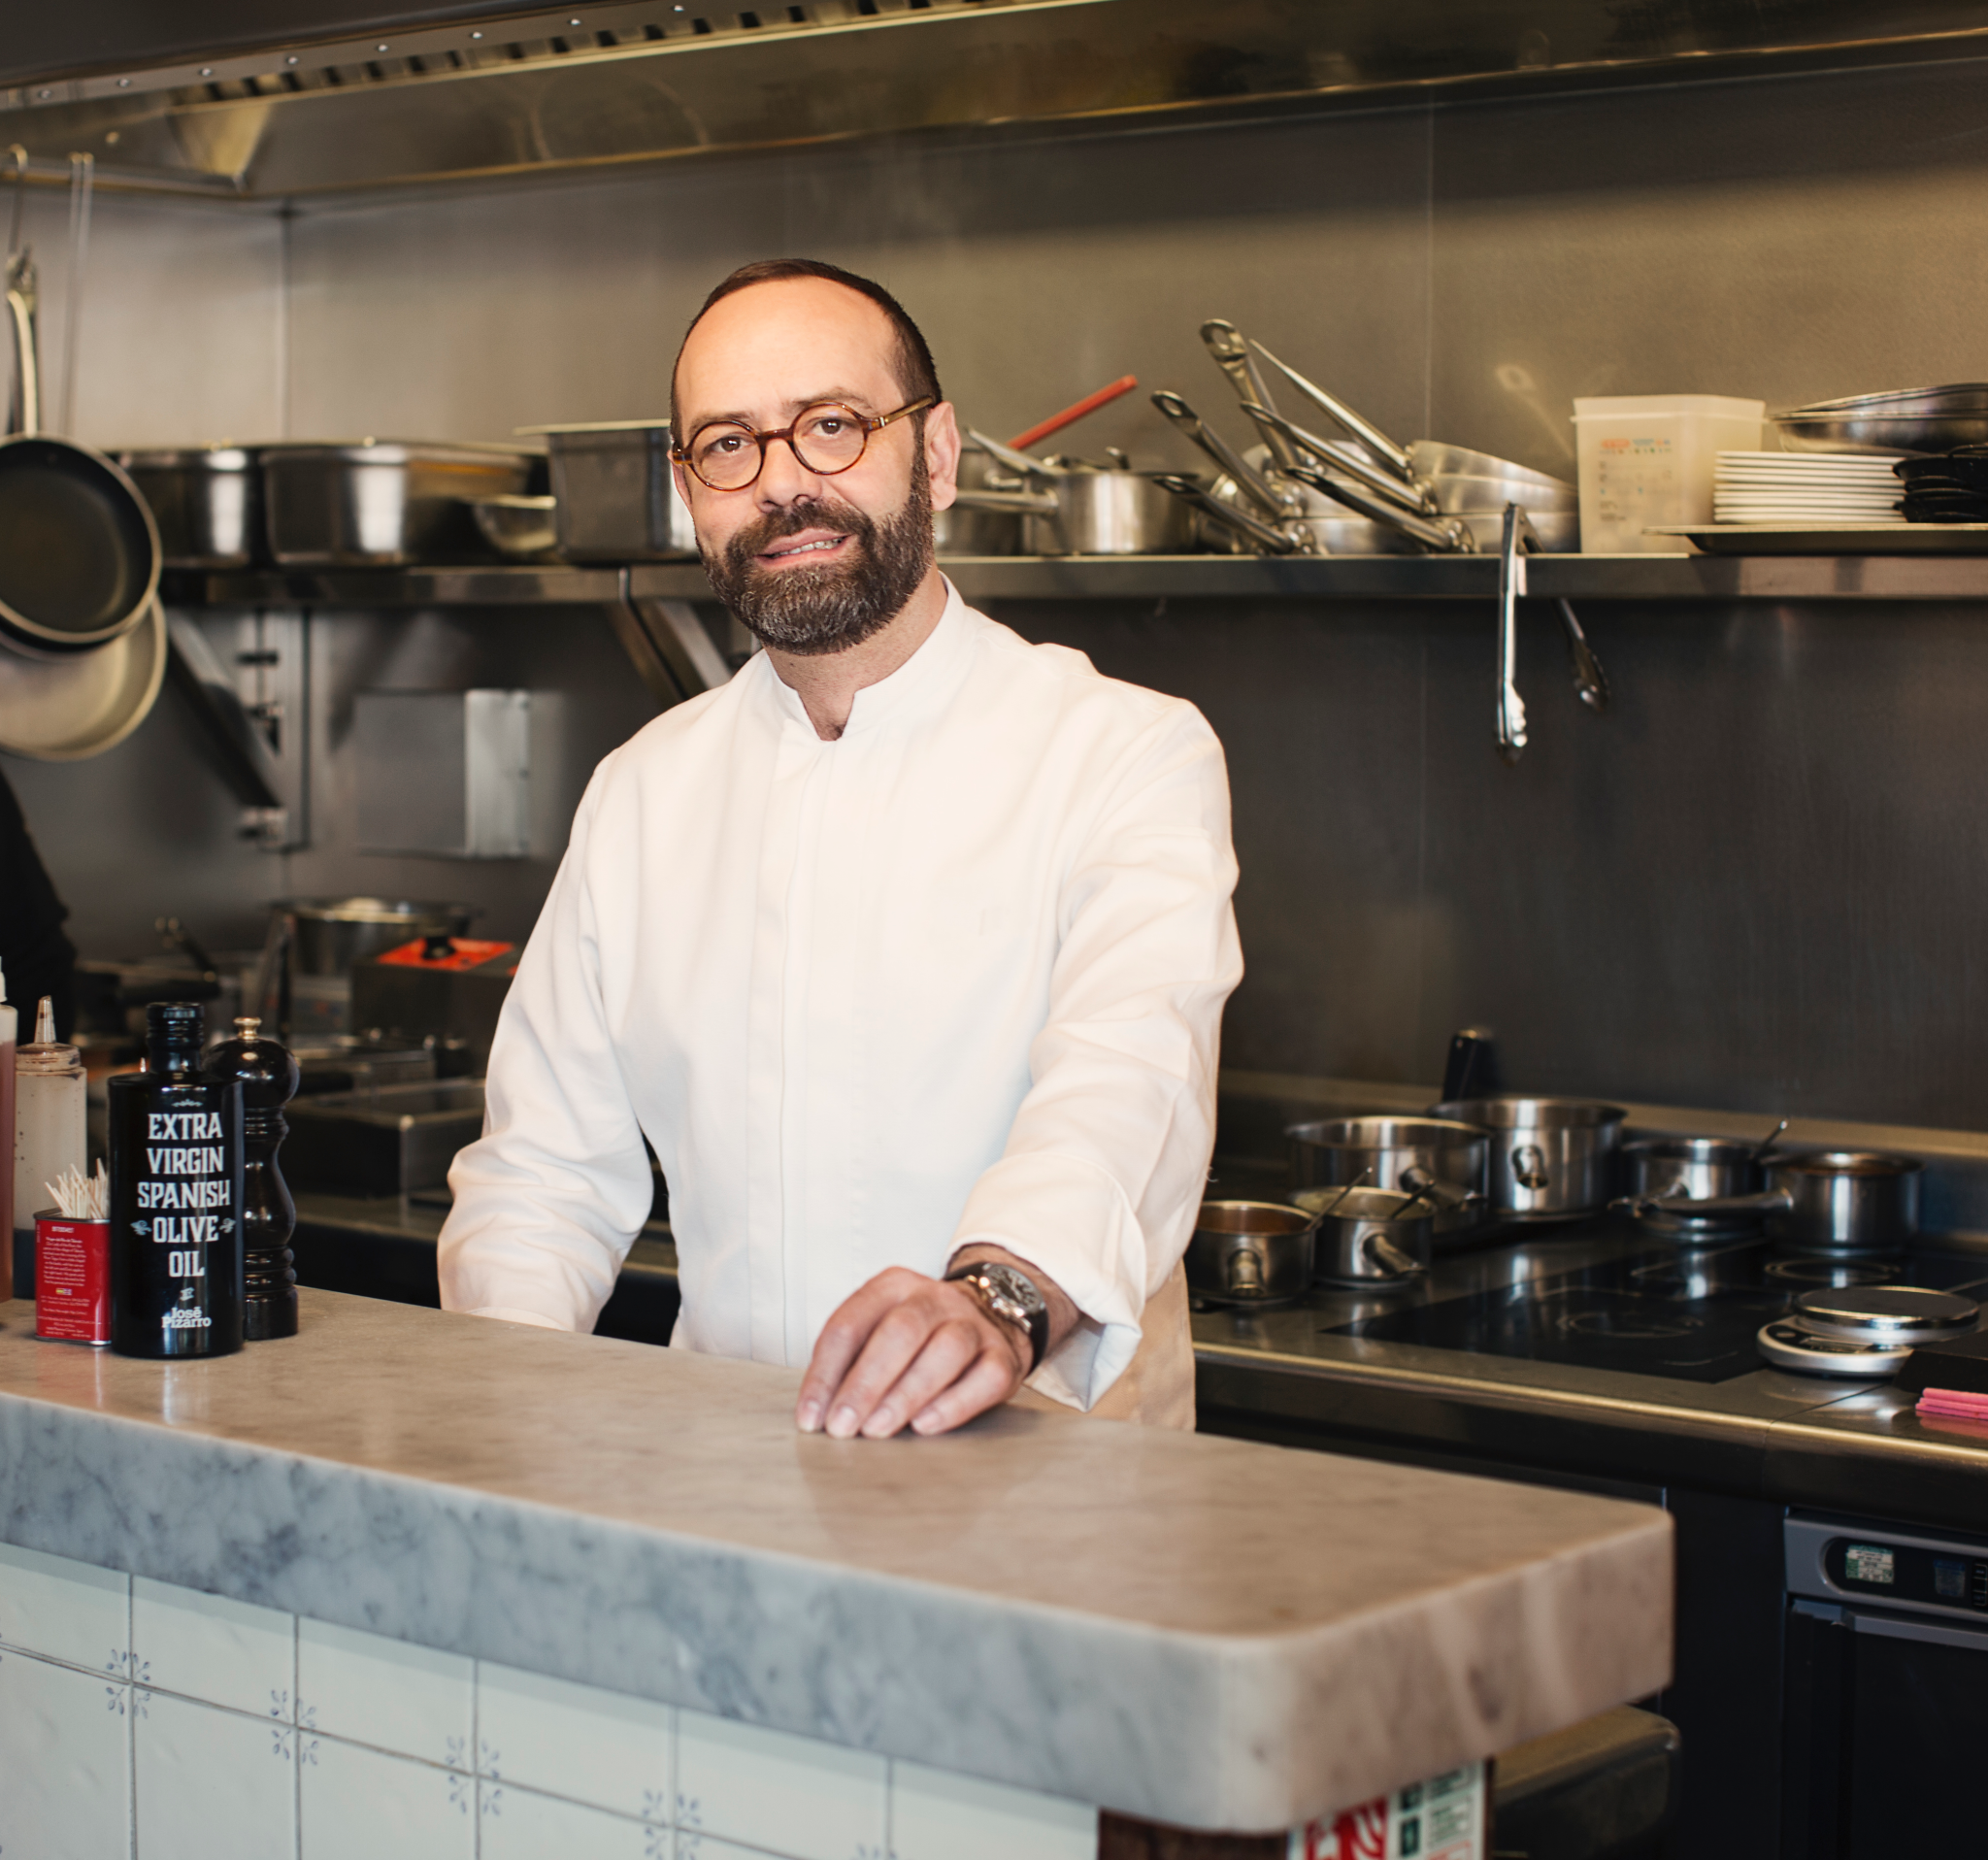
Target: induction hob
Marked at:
1685, 1315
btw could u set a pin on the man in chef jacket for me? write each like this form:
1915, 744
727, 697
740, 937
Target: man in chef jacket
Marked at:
907, 949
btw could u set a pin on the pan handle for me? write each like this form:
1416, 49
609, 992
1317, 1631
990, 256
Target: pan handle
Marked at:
1268, 537
1265, 494
1773, 1201
1027, 503
1338, 457
1025, 463
1395, 457
1225, 342
1444, 535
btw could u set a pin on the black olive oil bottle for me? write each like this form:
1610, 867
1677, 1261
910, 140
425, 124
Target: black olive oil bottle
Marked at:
176, 1198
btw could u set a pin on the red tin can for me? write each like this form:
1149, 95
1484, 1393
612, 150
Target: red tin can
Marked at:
72, 1279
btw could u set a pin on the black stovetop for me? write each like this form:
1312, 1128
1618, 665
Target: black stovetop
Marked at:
1687, 1317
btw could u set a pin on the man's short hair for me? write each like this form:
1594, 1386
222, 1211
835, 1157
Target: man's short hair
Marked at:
912, 357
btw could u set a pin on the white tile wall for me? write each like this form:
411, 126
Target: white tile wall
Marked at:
368, 1689
404, 1753
575, 1741
788, 1795
212, 1784
64, 1762
355, 1803
938, 1816
65, 1610
519, 1824
211, 1648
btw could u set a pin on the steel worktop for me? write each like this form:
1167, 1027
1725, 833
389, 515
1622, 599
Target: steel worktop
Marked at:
1294, 1374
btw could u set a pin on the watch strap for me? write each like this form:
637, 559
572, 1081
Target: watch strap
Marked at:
975, 1277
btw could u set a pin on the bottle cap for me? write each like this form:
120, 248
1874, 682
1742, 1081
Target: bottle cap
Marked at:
46, 1054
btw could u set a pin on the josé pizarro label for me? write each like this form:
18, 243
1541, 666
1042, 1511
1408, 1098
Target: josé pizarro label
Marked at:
1442, 1819
72, 1279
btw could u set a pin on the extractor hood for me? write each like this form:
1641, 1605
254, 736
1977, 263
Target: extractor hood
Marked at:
358, 97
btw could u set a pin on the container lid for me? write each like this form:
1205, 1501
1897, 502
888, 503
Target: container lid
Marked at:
1876, 1313
1656, 406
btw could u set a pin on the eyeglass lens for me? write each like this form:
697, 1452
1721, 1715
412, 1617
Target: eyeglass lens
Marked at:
826, 439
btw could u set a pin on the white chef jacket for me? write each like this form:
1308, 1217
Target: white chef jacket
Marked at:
955, 976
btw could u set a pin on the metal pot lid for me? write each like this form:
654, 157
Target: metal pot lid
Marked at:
223, 456
65, 710
1897, 1315
1808, 1352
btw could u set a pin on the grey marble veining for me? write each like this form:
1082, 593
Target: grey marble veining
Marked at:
1198, 1630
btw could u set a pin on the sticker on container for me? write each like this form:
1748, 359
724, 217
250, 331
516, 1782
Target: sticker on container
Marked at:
1870, 1563
1440, 1819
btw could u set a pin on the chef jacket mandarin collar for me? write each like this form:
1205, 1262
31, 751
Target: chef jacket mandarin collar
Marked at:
919, 688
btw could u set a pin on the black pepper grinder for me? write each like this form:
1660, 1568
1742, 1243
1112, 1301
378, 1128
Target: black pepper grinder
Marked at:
267, 1073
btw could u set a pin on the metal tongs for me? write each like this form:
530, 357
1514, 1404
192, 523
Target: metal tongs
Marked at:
1589, 680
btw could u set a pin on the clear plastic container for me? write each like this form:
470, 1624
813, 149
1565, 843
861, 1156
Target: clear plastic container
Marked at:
48, 1136
1648, 459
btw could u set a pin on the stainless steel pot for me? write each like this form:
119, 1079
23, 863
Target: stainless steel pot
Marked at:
207, 501
618, 497
1250, 1252
1551, 1158
1675, 1182
1829, 1201
1070, 508
1364, 1236
1454, 1158
307, 956
380, 504
964, 529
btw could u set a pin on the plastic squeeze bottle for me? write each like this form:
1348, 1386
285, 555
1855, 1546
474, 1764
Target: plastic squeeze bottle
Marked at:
50, 1131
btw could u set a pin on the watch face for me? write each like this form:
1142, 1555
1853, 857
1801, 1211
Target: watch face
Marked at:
1012, 1289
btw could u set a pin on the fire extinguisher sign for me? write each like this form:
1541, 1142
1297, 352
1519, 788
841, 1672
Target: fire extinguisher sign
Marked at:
1442, 1819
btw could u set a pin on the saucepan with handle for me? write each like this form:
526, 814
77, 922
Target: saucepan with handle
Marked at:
1828, 1201
1551, 1158
1083, 508
1250, 1252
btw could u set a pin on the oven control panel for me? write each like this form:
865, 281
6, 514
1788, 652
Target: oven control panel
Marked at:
1836, 1562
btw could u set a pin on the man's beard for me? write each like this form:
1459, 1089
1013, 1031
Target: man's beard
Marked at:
838, 604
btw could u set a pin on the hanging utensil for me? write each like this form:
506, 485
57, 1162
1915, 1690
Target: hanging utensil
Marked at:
1071, 414
1590, 681
81, 176
1511, 570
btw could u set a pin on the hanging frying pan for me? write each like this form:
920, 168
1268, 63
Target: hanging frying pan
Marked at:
78, 549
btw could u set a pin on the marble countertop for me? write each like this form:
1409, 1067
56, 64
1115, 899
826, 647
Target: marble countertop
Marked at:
1201, 1630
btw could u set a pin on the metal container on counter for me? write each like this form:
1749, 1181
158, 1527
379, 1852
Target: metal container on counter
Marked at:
207, 501
1369, 1236
1551, 1158
381, 503
617, 498
1451, 1158
305, 984
1250, 1252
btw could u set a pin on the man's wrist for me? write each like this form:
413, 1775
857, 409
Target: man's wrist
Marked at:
1009, 1295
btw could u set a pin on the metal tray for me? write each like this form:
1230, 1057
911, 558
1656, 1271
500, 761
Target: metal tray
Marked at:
381, 503
1828, 538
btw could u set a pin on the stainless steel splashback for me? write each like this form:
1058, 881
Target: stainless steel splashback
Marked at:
341, 98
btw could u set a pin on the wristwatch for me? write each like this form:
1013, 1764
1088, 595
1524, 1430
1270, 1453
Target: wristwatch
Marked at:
1010, 1294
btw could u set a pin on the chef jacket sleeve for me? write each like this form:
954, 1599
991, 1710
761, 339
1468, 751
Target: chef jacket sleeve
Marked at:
1107, 1164
549, 1198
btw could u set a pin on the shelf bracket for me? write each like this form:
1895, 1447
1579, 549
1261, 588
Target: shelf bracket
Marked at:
667, 644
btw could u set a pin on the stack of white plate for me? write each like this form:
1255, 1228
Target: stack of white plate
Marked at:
1849, 489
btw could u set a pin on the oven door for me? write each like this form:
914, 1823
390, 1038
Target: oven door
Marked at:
1886, 1719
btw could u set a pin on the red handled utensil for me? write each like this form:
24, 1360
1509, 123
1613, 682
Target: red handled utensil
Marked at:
1090, 404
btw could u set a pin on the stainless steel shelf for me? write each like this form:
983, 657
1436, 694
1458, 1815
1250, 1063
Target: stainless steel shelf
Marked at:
1197, 578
